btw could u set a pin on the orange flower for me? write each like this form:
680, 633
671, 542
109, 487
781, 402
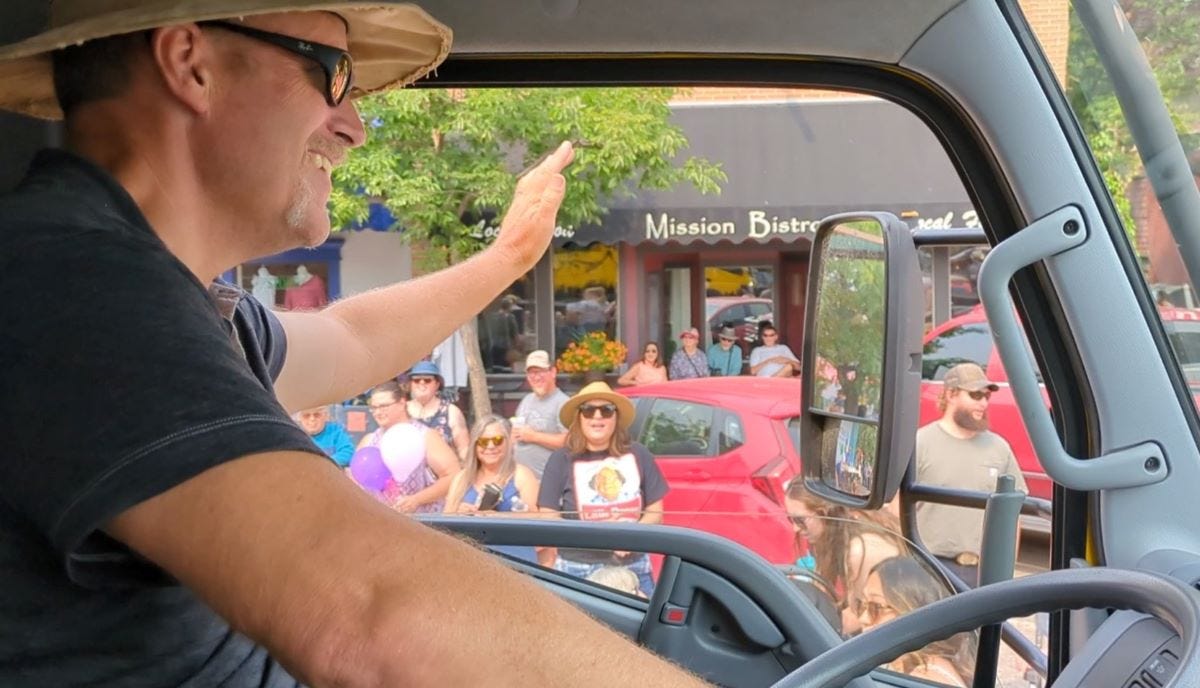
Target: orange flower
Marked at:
593, 351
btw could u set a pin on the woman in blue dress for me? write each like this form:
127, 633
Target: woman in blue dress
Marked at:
493, 468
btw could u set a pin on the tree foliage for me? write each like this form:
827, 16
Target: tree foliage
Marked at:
443, 160
444, 163
851, 309
1167, 30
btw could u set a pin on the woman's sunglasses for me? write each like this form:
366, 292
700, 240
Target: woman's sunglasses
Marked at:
337, 63
875, 611
486, 442
422, 380
598, 411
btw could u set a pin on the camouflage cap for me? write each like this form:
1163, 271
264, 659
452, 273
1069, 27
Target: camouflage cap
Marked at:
970, 377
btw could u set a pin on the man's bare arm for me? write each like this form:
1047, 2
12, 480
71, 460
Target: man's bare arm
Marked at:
549, 440
344, 591
361, 341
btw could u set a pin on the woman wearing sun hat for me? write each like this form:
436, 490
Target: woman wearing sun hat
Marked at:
601, 475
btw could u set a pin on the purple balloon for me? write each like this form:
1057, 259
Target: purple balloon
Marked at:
368, 469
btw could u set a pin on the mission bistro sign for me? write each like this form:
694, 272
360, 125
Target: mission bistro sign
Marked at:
738, 225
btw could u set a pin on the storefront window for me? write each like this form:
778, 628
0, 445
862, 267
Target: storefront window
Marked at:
288, 286
961, 266
585, 293
738, 297
508, 328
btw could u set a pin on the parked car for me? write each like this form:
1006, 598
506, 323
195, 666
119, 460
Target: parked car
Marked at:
968, 338
742, 313
727, 447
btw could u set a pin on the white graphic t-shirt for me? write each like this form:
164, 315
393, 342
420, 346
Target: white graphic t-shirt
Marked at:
596, 486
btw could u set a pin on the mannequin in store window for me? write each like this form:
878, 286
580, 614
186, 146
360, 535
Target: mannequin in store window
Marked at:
308, 294
263, 285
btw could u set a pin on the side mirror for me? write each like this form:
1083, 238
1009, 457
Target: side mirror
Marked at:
862, 357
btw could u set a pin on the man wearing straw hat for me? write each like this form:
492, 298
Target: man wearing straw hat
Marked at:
193, 536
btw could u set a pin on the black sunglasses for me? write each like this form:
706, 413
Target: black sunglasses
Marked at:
605, 410
337, 63
977, 396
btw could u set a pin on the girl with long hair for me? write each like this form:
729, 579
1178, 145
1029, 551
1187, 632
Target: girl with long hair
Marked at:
899, 585
492, 482
845, 544
492, 463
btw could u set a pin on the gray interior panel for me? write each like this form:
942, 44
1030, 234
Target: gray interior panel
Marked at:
995, 84
824, 27
741, 603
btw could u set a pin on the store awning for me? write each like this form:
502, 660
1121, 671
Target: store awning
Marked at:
789, 165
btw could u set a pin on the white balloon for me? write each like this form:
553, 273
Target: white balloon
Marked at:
403, 449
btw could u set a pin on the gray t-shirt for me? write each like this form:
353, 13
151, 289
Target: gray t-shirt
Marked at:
944, 460
762, 353
541, 414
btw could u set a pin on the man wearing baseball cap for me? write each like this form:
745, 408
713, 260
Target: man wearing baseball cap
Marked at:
959, 451
202, 539
536, 428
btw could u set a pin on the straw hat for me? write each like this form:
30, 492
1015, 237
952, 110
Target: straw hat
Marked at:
393, 43
592, 392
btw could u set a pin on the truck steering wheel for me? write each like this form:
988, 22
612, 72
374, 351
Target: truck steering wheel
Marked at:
1167, 599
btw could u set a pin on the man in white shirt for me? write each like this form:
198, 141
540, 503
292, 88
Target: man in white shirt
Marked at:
773, 359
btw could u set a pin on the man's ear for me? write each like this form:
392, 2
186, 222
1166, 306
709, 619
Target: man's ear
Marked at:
185, 61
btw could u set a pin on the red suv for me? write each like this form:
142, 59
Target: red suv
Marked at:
726, 446
968, 338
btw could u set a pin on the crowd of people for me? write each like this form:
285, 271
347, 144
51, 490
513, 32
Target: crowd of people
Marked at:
560, 456
571, 457
724, 358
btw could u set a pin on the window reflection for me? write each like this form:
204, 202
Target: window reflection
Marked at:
585, 293
738, 297
507, 328
678, 428
961, 294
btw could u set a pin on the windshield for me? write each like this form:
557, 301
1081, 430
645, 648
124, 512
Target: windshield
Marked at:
1167, 32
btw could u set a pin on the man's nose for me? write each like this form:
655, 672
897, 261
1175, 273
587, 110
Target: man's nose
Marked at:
346, 124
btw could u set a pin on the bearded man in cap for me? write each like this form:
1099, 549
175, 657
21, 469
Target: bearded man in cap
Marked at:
959, 451
199, 538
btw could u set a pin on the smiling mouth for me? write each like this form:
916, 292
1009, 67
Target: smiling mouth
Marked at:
320, 161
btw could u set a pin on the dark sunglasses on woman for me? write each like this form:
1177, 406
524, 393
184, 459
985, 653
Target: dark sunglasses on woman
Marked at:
604, 410
337, 63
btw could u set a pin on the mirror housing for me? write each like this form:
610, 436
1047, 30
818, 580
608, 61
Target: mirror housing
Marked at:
862, 359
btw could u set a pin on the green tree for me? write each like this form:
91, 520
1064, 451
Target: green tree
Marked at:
444, 160
1167, 30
